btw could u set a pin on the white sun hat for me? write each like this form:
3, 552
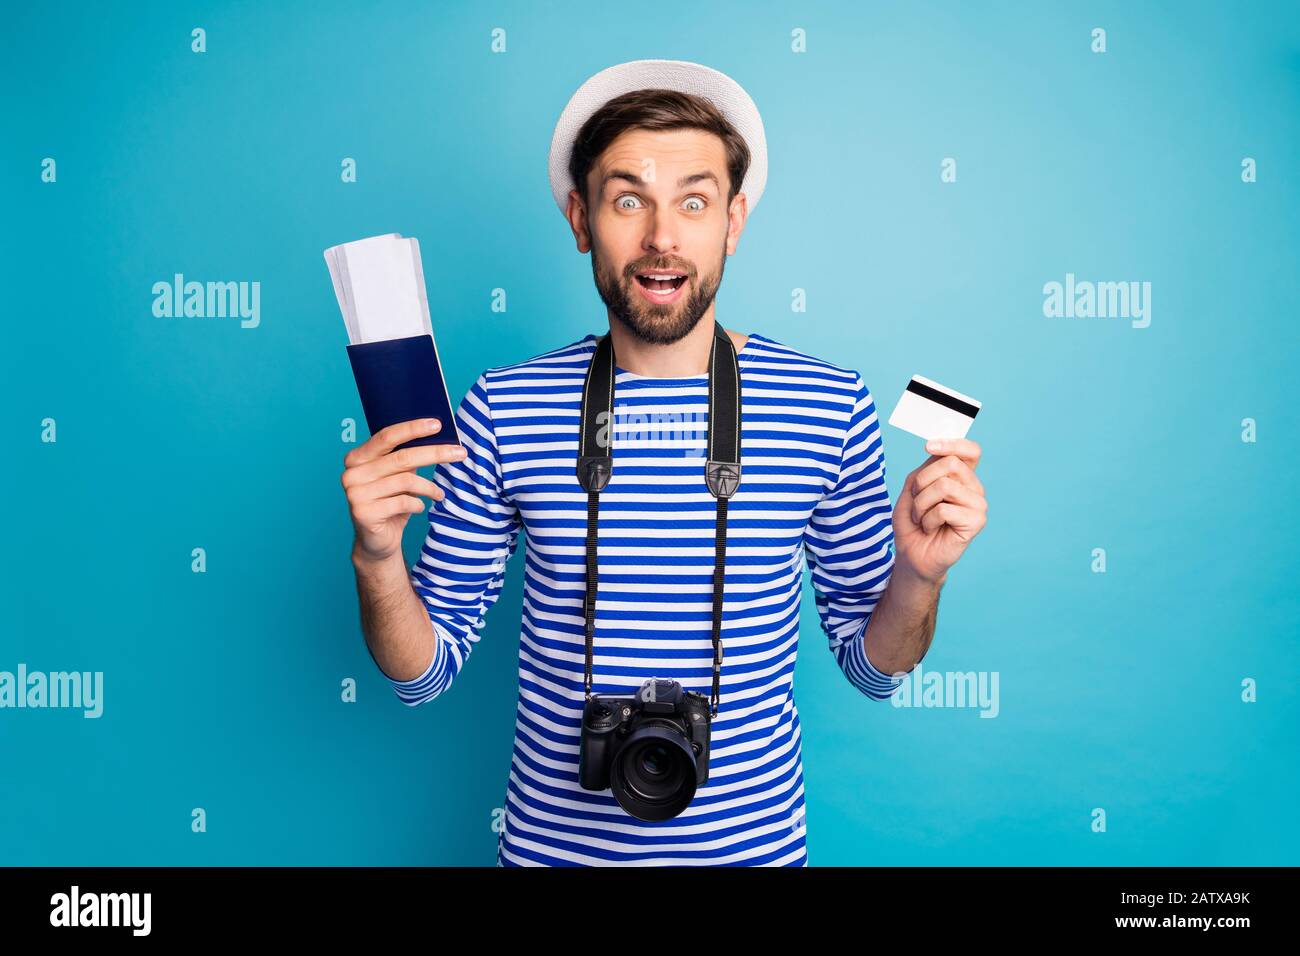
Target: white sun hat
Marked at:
724, 92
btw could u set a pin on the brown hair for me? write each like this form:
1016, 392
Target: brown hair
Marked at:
655, 109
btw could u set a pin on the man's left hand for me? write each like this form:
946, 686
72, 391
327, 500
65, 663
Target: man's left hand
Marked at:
940, 509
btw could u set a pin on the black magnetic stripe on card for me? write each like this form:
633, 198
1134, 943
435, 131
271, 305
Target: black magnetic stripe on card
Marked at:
943, 398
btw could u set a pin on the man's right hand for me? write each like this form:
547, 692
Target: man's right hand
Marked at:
382, 485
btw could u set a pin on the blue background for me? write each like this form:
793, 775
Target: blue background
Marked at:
222, 690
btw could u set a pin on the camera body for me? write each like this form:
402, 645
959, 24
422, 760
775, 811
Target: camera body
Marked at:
650, 748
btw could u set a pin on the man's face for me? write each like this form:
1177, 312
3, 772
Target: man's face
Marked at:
659, 229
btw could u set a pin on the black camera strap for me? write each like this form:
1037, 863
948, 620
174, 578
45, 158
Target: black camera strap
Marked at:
721, 469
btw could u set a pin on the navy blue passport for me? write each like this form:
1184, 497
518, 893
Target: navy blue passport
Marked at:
401, 379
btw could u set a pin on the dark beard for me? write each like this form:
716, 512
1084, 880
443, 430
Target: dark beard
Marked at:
652, 324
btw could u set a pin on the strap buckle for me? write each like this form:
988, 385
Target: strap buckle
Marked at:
594, 471
722, 477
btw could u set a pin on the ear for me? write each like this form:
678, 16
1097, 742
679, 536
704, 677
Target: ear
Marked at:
736, 216
576, 213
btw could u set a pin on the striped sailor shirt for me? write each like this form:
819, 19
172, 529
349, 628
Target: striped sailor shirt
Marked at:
812, 490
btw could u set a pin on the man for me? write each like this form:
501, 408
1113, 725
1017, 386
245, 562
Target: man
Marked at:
651, 165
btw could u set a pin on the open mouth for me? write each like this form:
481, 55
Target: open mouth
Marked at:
661, 283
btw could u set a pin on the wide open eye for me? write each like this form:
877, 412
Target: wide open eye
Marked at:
618, 203
698, 201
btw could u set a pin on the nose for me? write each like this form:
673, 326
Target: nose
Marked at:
661, 234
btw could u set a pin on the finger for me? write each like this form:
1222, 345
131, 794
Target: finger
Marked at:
965, 449
909, 483
386, 439
948, 466
966, 522
379, 511
401, 483
404, 459
947, 489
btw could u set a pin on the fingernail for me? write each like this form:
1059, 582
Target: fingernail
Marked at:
935, 444
460, 451
431, 423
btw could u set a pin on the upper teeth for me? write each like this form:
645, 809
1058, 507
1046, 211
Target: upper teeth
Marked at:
666, 275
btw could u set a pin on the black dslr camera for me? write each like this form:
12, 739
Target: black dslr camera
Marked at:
651, 748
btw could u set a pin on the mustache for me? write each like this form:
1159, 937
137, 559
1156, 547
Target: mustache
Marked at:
659, 265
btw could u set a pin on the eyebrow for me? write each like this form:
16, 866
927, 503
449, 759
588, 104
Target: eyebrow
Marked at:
637, 180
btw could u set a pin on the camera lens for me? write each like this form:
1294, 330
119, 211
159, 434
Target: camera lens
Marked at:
655, 761
653, 776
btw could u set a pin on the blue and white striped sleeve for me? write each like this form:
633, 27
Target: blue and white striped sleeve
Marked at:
849, 544
472, 534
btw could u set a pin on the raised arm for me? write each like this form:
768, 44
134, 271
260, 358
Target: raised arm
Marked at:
420, 624
849, 547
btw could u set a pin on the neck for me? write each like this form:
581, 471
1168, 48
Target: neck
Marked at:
686, 357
